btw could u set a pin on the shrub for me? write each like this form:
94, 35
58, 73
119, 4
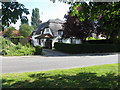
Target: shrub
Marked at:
87, 48
9, 49
38, 50
16, 39
4, 43
9, 32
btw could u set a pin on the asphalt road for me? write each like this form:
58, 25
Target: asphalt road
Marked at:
42, 63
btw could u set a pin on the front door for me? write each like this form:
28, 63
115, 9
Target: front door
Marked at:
48, 44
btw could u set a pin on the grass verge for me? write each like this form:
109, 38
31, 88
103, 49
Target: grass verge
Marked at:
101, 76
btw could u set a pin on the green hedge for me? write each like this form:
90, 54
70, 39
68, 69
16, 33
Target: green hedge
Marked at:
16, 39
86, 48
99, 42
38, 50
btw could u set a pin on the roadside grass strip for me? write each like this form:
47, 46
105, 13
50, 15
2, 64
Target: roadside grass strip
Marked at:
100, 76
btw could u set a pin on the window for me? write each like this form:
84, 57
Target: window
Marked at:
59, 39
47, 30
60, 32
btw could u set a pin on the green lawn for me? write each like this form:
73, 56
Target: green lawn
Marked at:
101, 76
92, 38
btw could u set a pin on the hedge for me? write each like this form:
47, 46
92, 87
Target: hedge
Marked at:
86, 48
99, 41
16, 39
38, 50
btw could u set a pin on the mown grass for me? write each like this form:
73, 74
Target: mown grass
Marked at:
101, 76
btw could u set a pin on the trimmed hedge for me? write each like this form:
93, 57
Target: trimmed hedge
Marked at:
86, 48
98, 41
38, 50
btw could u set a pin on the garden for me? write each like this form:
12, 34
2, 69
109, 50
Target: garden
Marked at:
82, 19
10, 49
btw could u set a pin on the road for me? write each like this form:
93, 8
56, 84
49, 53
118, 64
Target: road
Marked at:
17, 64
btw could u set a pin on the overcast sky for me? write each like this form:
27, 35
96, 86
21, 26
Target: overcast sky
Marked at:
48, 10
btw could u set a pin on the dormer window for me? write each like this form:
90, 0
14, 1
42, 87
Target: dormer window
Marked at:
47, 30
60, 32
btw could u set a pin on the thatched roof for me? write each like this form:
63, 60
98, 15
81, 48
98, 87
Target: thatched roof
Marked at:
53, 24
57, 20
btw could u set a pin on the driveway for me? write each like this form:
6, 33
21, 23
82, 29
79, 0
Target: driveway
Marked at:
49, 52
17, 64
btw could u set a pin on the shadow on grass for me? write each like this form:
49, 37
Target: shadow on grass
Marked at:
81, 80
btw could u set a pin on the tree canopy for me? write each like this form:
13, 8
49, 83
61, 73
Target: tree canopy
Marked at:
76, 28
106, 13
12, 11
25, 30
9, 32
35, 19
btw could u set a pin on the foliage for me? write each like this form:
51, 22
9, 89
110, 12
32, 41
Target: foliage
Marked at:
38, 50
9, 32
4, 43
101, 76
10, 49
99, 41
87, 48
12, 11
76, 28
26, 30
92, 38
35, 20
16, 37
1, 27
106, 13
24, 20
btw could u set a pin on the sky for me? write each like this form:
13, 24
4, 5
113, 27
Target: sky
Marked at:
47, 9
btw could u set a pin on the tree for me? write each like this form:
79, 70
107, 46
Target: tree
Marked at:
24, 20
26, 30
106, 13
12, 11
9, 32
76, 28
35, 19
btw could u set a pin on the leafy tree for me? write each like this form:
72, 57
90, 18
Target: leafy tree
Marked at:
106, 13
35, 19
9, 32
24, 20
26, 30
12, 11
1, 27
76, 28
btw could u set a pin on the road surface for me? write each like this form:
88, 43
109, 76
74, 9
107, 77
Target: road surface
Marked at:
17, 64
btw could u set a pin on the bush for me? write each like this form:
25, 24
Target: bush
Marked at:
38, 50
4, 43
16, 39
10, 49
86, 48
19, 50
